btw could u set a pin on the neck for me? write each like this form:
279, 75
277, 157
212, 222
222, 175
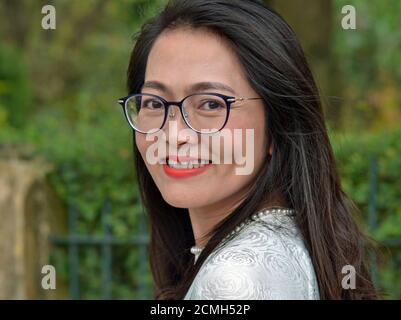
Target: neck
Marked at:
204, 219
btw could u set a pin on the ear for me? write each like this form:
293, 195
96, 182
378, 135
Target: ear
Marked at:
271, 149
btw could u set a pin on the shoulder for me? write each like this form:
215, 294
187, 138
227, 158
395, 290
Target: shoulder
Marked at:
266, 260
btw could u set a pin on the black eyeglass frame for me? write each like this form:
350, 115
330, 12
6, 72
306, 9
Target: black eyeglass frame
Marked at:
229, 100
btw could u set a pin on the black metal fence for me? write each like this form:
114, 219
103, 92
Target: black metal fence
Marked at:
106, 242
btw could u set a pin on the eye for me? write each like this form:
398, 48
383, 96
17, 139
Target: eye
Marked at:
211, 105
153, 104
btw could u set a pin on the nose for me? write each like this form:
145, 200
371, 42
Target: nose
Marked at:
171, 113
174, 113
178, 131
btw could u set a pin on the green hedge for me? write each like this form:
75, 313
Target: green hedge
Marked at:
354, 153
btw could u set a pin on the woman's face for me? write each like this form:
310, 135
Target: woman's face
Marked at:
179, 59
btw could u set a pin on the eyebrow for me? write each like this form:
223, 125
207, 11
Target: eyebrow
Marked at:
197, 87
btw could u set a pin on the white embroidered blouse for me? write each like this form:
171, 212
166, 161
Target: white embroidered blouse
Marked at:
266, 259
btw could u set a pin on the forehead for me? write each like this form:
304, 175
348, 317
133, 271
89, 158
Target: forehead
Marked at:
192, 55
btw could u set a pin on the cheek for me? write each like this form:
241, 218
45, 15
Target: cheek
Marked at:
249, 140
143, 146
140, 142
261, 151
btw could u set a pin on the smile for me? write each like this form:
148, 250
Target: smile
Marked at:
186, 167
192, 164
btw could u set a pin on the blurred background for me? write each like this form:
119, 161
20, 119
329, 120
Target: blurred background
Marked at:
68, 196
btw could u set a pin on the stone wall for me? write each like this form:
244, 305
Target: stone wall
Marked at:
29, 212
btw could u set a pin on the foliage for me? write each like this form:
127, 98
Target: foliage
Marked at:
13, 103
355, 154
369, 60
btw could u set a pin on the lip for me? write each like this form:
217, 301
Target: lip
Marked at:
184, 173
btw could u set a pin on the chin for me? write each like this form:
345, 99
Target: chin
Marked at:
182, 200
177, 203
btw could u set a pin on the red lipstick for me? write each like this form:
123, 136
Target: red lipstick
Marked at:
184, 173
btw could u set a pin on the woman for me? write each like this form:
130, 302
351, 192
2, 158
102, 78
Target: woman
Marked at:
282, 230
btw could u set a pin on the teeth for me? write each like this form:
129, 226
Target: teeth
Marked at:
187, 164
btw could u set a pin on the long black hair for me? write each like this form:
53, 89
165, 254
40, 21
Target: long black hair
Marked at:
301, 170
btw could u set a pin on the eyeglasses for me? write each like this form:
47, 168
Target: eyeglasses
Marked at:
202, 112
